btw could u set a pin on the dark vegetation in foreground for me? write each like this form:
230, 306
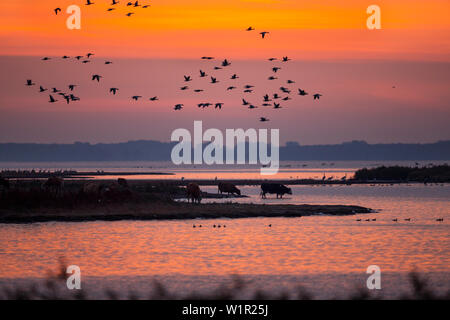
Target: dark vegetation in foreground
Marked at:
413, 174
33, 201
55, 288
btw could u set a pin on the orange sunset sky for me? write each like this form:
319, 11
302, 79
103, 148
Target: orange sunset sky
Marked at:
331, 48
180, 28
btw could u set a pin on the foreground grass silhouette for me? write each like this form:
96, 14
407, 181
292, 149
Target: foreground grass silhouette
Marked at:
54, 288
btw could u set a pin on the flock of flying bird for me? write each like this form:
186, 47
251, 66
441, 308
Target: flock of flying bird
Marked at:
273, 100
284, 93
114, 4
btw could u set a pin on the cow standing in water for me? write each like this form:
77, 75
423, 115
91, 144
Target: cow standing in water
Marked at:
228, 188
193, 192
276, 188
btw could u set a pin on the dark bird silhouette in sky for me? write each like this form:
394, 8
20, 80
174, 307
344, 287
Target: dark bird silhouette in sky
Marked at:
272, 78
108, 62
317, 96
302, 92
207, 58
245, 103
187, 78
202, 74
52, 99
89, 55
135, 98
218, 105
234, 77
225, 63
276, 106
252, 106
263, 34
285, 59
129, 14
72, 86
78, 57
153, 98
250, 29
42, 89
217, 68
85, 61
214, 80
266, 98
46, 58
263, 119
290, 81
285, 90
65, 57
57, 10
198, 90
113, 90
276, 96
248, 86
184, 88
272, 59
178, 106
286, 98
96, 77
231, 88
30, 83
54, 90
248, 91
88, 2
275, 69
114, 2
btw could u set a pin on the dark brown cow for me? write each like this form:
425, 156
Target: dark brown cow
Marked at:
193, 192
228, 188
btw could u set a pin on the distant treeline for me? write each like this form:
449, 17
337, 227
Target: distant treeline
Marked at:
423, 174
148, 150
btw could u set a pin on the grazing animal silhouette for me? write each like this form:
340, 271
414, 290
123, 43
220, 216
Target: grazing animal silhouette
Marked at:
226, 187
193, 193
274, 188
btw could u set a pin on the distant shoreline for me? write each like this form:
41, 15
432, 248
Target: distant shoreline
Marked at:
177, 211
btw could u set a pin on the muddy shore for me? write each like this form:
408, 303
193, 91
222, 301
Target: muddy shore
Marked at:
177, 211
